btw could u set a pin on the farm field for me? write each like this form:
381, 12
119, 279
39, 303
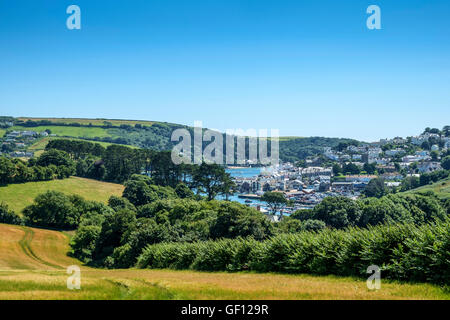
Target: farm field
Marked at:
20, 195
64, 131
96, 122
33, 265
39, 146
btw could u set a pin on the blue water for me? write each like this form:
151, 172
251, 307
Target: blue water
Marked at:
243, 173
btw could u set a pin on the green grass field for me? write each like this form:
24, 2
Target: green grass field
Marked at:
441, 188
77, 132
96, 122
20, 195
33, 265
39, 146
2, 132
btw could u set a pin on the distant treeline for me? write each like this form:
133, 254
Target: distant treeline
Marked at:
50, 165
158, 137
413, 182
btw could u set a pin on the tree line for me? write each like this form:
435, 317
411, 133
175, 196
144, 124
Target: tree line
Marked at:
53, 164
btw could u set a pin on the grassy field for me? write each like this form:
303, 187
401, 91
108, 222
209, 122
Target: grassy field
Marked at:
96, 122
33, 265
20, 195
2, 132
77, 132
441, 188
39, 146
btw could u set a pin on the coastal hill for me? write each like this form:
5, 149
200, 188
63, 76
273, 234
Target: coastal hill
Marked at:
145, 134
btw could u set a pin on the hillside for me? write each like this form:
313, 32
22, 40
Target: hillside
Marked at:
33, 265
441, 188
20, 195
39, 146
156, 135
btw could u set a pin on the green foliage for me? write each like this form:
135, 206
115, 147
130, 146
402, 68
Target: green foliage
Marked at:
55, 157
337, 212
8, 216
341, 212
18, 171
275, 200
235, 220
212, 180
56, 210
140, 192
124, 234
183, 191
445, 163
403, 252
118, 203
76, 148
52, 209
375, 188
294, 149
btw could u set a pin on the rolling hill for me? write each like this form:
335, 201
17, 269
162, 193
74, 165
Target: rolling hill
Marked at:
441, 188
33, 265
156, 135
20, 195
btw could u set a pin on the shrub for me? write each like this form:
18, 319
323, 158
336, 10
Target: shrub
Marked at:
8, 216
404, 252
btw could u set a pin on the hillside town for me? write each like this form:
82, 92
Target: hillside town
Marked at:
346, 170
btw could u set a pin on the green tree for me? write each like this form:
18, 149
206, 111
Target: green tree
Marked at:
212, 180
236, 220
8, 216
52, 209
138, 193
337, 212
375, 188
183, 191
445, 163
55, 157
275, 200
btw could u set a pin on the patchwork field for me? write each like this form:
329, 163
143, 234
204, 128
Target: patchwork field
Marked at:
33, 265
20, 195
96, 122
39, 146
64, 131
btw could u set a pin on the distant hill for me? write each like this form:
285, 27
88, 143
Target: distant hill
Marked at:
156, 135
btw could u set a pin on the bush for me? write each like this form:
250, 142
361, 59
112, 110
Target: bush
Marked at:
52, 209
403, 252
8, 216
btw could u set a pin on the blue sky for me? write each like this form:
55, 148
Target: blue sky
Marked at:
307, 68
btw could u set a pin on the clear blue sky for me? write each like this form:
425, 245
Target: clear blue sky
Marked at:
304, 67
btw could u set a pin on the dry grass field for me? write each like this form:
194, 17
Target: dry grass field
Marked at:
33, 265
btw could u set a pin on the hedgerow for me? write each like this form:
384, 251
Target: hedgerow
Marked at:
404, 252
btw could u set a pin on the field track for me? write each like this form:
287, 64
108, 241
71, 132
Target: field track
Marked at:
33, 265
